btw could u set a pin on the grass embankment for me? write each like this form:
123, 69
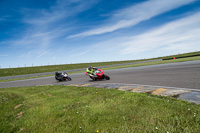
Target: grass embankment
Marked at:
157, 62
88, 109
52, 68
7, 80
185, 55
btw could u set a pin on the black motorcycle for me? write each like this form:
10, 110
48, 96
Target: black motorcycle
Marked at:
62, 76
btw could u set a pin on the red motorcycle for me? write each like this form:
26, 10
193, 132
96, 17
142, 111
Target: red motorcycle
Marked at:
98, 74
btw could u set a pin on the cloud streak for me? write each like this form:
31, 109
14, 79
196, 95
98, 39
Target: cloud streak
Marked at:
61, 10
134, 14
47, 25
3, 55
180, 35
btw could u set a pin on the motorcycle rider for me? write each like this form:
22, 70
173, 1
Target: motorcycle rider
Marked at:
90, 71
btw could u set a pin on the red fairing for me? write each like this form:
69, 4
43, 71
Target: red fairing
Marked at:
100, 74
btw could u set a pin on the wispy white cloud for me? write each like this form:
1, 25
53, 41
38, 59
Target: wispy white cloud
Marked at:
61, 10
135, 14
2, 19
181, 35
42, 54
82, 53
3, 55
38, 41
36, 36
46, 25
175, 37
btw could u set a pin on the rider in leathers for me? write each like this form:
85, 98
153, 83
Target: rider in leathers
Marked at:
90, 71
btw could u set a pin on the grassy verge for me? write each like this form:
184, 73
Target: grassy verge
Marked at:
157, 62
87, 109
7, 80
42, 69
51, 68
182, 55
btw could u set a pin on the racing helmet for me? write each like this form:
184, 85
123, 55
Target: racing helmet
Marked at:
90, 68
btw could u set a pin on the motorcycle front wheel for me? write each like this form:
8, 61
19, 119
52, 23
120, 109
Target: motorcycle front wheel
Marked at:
69, 78
107, 77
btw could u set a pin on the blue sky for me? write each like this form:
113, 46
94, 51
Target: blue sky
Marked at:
42, 32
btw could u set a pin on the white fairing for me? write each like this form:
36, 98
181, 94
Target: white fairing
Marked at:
97, 71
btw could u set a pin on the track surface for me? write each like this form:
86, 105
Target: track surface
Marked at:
181, 75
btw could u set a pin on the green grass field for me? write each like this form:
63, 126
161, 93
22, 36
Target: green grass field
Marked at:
88, 110
53, 68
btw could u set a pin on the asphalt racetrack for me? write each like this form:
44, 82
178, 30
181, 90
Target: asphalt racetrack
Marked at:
181, 75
